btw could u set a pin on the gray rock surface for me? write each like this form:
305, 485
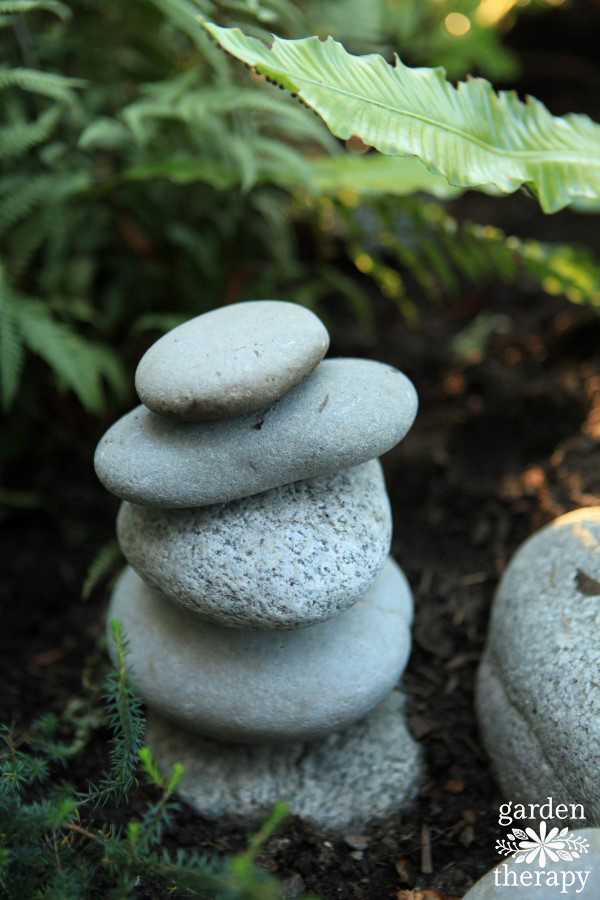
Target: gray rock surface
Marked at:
265, 686
352, 779
230, 361
285, 558
585, 885
538, 686
346, 412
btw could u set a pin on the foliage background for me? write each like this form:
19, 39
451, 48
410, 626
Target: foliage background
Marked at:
147, 178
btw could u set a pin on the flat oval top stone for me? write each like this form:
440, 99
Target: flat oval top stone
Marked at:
231, 360
538, 685
346, 412
265, 686
285, 558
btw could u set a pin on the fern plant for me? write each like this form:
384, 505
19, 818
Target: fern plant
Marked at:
53, 844
99, 228
470, 134
152, 179
422, 240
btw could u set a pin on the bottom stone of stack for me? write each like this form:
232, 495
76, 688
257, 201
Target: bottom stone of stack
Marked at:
352, 779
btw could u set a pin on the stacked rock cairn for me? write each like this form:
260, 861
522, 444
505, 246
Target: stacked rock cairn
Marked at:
267, 625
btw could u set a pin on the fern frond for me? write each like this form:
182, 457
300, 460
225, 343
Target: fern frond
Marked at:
481, 252
18, 195
437, 251
104, 562
20, 137
104, 134
470, 134
273, 109
57, 87
280, 164
80, 363
358, 22
374, 175
24, 6
11, 346
21, 193
185, 14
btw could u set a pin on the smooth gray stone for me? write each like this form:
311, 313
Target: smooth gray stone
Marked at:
265, 686
285, 558
352, 779
587, 887
231, 360
538, 686
346, 412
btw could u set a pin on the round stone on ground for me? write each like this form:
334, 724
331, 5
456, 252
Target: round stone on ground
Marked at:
265, 686
230, 361
538, 686
346, 412
552, 880
285, 558
352, 779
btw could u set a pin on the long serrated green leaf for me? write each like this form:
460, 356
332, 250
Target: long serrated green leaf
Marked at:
379, 175
470, 134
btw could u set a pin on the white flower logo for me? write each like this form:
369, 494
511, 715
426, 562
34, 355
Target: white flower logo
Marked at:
555, 845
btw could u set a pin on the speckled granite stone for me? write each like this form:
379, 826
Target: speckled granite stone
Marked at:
538, 688
285, 558
352, 779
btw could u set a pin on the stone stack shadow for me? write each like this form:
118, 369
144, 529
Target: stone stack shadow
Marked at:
267, 624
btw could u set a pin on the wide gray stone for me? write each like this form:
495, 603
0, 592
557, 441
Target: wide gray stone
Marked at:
538, 690
346, 412
268, 686
578, 877
230, 361
352, 779
285, 558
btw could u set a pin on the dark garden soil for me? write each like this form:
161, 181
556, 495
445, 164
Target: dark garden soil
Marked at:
505, 440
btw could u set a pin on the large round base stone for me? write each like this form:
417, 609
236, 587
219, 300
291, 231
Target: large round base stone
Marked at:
352, 779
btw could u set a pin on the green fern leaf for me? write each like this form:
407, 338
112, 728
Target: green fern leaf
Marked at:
48, 84
373, 174
104, 562
81, 364
11, 346
22, 136
470, 134
24, 6
185, 14
18, 196
437, 250
104, 134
